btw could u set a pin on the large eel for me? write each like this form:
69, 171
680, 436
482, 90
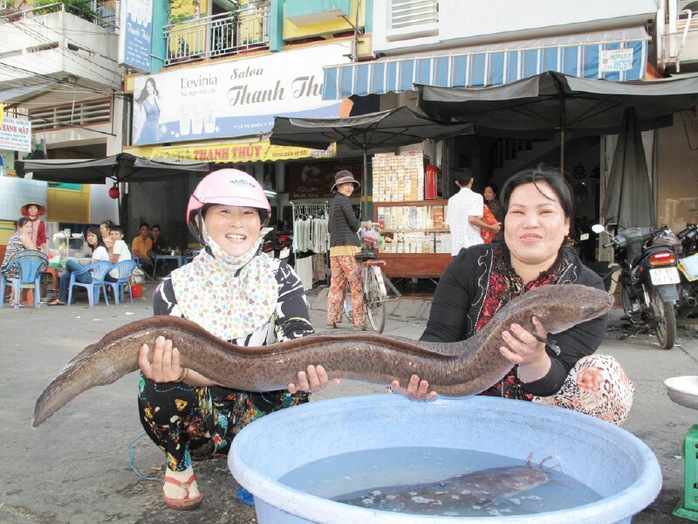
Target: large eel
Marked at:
453, 369
479, 488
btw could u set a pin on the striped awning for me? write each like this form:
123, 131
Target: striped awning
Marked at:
612, 55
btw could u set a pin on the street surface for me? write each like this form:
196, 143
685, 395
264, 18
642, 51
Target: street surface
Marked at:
77, 467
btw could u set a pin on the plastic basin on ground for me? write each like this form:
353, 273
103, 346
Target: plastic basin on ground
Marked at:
613, 462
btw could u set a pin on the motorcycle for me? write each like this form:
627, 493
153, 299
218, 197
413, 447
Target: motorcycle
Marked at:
648, 279
687, 304
278, 245
584, 239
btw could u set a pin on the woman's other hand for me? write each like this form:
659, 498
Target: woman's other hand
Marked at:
314, 379
416, 389
527, 350
164, 366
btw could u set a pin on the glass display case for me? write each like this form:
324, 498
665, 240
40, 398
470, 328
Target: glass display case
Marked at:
417, 243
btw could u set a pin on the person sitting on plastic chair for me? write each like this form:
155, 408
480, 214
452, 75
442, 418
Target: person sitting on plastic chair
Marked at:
142, 248
117, 248
94, 240
30, 263
20, 241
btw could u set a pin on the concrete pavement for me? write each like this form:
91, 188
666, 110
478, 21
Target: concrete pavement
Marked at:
83, 465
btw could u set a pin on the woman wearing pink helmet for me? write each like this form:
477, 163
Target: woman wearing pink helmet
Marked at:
239, 294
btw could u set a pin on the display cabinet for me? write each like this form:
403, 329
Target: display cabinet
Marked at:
417, 244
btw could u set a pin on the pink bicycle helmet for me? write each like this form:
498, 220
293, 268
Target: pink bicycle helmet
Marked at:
228, 187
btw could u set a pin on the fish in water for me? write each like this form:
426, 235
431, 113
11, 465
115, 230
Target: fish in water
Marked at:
470, 490
453, 369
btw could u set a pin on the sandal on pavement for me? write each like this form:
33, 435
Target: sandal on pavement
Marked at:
56, 303
186, 503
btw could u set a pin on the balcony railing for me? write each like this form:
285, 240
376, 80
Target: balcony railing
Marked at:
218, 35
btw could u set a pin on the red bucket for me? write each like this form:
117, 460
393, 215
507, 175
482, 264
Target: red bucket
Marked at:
137, 290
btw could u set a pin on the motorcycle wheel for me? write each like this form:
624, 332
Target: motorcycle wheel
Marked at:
627, 303
376, 293
664, 320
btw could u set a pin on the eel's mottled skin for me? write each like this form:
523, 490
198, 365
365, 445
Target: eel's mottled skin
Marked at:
479, 488
453, 369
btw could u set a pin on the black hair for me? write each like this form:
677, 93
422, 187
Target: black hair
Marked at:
463, 176
116, 227
96, 232
155, 226
21, 221
144, 92
535, 176
494, 187
108, 223
144, 224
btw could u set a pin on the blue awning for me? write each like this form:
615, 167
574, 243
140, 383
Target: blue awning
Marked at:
612, 55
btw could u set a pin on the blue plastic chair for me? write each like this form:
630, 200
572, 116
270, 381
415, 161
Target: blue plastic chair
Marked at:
3, 284
124, 268
31, 264
99, 271
191, 256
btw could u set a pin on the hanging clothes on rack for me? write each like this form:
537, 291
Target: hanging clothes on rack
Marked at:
311, 241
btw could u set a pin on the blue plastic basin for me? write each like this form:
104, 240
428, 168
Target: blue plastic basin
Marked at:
613, 462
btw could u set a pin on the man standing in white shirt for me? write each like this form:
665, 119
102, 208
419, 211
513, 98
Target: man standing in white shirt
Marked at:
464, 216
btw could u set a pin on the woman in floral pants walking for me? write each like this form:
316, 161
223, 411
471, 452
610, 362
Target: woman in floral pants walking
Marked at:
344, 245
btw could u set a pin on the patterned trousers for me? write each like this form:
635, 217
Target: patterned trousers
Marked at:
345, 269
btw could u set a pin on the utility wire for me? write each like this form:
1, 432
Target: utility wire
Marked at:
41, 38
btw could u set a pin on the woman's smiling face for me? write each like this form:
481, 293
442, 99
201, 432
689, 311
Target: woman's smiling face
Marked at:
535, 226
235, 229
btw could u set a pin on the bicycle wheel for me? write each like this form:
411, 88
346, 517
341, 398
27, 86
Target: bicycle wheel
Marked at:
347, 304
376, 294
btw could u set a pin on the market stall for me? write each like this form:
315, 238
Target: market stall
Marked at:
417, 243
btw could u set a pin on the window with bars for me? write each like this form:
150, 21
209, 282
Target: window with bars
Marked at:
410, 13
79, 114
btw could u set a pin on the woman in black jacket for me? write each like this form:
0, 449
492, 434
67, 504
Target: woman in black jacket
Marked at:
563, 370
344, 245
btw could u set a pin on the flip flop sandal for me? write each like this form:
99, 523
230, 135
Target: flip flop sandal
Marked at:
185, 503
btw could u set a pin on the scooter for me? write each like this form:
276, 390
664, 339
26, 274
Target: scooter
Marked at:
688, 264
648, 279
278, 245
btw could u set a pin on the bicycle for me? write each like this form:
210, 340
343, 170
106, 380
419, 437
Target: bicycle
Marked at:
375, 292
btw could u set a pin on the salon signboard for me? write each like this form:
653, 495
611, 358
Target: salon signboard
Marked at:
234, 152
136, 35
235, 98
16, 135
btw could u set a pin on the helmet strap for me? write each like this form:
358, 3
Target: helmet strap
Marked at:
196, 228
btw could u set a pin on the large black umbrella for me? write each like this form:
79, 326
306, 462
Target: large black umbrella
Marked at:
550, 103
120, 168
628, 199
391, 128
